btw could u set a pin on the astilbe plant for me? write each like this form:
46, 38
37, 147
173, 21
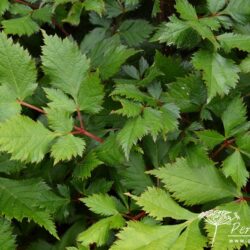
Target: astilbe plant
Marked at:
124, 124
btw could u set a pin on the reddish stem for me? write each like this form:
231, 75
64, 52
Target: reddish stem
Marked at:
139, 216
53, 20
31, 106
243, 199
225, 144
85, 132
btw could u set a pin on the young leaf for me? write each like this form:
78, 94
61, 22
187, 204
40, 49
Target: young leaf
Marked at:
186, 10
99, 232
138, 235
233, 116
129, 108
7, 239
159, 204
230, 41
133, 131
220, 74
234, 166
64, 64
17, 69
215, 5
210, 138
205, 183
94, 5
25, 139
102, 204
4, 5
245, 65
66, 147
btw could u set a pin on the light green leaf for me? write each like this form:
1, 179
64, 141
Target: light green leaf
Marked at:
140, 236
178, 33
205, 183
64, 64
59, 120
102, 204
245, 65
4, 5
59, 100
20, 26
66, 147
243, 142
234, 166
129, 108
230, 41
91, 94
191, 238
94, 5
7, 239
186, 10
30, 199
210, 138
74, 15
134, 32
25, 139
17, 69
215, 5
8, 104
159, 204
133, 131
43, 14
234, 116
99, 232
84, 169
220, 74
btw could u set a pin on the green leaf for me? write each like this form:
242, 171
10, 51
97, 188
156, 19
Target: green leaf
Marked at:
245, 65
4, 5
188, 93
7, 240
66, 147
170, 66
159, 204
108, 55
17, 69
59, 100
191, 238
234, 116
8, 104
134, 32
99, 232
205, 183
74, 15
233, 220
234, 166
59, 120
138, 236
230, 41
215, 5
20, 26
9, 167
210, 138
25, 139
177, 32
156, 8
91, 94
64, 64
186, 10
133, 131
90, 162
94, 5
102, 204
43, 14
30, 199
243, 142
220, 74
129, 108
